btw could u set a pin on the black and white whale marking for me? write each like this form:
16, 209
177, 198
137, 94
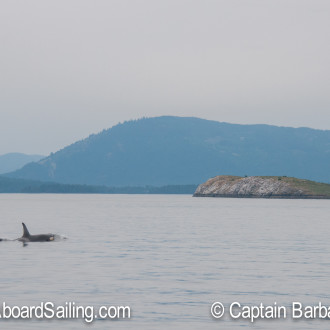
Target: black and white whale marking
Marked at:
27, 237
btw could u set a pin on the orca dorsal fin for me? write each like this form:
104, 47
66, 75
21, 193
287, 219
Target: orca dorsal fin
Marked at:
25, 231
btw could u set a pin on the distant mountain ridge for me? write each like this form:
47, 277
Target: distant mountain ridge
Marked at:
179, 150
14, 161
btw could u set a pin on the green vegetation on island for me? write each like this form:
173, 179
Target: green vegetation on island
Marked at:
311, 187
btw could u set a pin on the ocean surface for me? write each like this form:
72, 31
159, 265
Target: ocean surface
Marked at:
167, 257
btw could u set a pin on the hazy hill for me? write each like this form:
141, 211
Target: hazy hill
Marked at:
174, 150
13, 161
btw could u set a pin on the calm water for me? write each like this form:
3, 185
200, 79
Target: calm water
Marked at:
168, 257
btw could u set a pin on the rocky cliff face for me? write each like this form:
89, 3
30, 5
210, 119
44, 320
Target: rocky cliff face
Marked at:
253, 187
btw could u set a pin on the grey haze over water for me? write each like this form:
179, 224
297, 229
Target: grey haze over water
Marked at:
72, 68
167, 257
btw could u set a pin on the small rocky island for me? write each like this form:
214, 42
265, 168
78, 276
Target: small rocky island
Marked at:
262, 187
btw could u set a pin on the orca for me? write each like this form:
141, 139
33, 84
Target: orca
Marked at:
27, 237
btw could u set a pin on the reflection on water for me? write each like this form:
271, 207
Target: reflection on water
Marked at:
168, 257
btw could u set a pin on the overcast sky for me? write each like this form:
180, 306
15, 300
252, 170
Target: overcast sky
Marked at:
69, 68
